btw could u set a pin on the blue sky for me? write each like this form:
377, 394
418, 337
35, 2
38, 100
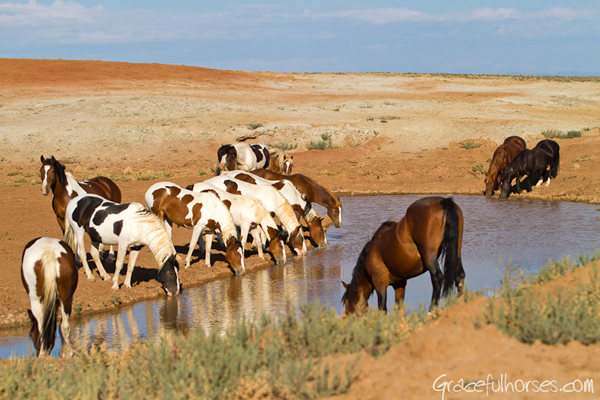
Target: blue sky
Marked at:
453, 36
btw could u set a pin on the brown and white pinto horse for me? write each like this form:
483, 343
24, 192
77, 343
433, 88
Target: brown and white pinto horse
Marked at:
501, 159
242, 156
49, 275
431, 228
297, 200
281, 162
251, 217
203, 213
314, 192
65, 187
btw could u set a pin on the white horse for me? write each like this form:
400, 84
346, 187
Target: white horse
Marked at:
203, 213
242, 156
250, 216
295, 197
123, 225
273, 201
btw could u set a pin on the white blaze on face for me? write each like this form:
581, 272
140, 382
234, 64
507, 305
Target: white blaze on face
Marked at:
45, 181
340, 215
287, 167
283, 251
242, 255
223, 161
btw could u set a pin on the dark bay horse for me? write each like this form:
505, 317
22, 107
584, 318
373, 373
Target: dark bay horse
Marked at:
49, 275
539, 164
244, 156
314, 192
398, 251
65, 187
501, 159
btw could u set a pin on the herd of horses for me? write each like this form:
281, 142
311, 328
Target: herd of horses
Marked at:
253, 192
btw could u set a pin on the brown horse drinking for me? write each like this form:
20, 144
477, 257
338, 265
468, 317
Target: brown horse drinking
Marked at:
431, 228
64, 187
501, 159
314, 192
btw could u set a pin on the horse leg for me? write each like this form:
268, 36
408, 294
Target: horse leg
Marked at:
82, 255
96, 257
208, 238
244, 237
400, 290
437, 280
133, 255
121, 251
65, 328
257, 239
195, 236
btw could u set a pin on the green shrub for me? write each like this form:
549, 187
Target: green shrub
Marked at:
324, 143
284, 146
558, 134
479, 168
469, 144
254, 126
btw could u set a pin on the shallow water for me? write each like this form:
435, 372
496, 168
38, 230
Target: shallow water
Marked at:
526, 232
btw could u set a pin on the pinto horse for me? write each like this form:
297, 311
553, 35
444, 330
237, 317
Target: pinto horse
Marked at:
539, 164
297, 200
501, 159
203, 213
49, 275
242, 156
314, 192
251, 217
281, 162
123, 225
273, 201
65, 187
398, 251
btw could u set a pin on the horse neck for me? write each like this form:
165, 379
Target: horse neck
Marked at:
156, 238
265, 220
286, 215
72, 185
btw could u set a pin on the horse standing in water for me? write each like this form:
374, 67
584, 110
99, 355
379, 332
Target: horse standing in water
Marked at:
124, 225
281, 162
314, 192
539, 164
501, 159
49, 275
242, 156
431, 228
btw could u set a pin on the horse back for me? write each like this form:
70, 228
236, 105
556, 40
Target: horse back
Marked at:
262, 155
102, 186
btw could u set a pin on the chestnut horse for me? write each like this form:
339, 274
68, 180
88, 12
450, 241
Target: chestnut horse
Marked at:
49, 275
314, 192
539, 164
501, 159
204, 213
65, 187
281, 162
242, 156
398, 251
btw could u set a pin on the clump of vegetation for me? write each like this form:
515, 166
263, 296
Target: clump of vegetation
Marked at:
558, 134
469, 144
283, 146
324, 143
479, 169
255, 126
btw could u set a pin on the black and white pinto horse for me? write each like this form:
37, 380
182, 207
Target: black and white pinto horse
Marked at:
49, 275
123, 225
242, 156
539, 164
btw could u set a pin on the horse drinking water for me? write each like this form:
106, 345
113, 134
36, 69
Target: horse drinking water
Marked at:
124, 225
539, 164
398, 251
49, 275
501, 159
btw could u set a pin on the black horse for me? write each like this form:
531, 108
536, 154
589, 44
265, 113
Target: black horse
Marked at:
539, 163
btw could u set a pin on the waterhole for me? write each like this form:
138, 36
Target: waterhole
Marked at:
526, 233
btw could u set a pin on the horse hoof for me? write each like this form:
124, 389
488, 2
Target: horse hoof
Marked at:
115, 287
91, 278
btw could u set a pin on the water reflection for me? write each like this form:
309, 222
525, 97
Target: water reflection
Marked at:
524, 231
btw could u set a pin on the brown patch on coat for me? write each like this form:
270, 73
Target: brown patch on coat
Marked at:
232, 187
278, 185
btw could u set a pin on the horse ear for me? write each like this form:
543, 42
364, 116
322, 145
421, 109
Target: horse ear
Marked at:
42, 159
345, 285
53, 159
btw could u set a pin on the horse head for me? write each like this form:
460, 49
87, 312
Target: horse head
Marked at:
317, 232
227, 156
288, 164
297, 241
354, 301
335, 213
235, 256
168, 276
276, 239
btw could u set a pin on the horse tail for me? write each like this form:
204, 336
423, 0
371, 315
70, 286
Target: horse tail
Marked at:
50, 301
69, 236
449, 246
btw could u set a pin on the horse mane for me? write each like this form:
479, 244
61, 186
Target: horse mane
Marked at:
48, 328
281, 156
351, 293
60, 171
156, 236
286, 216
